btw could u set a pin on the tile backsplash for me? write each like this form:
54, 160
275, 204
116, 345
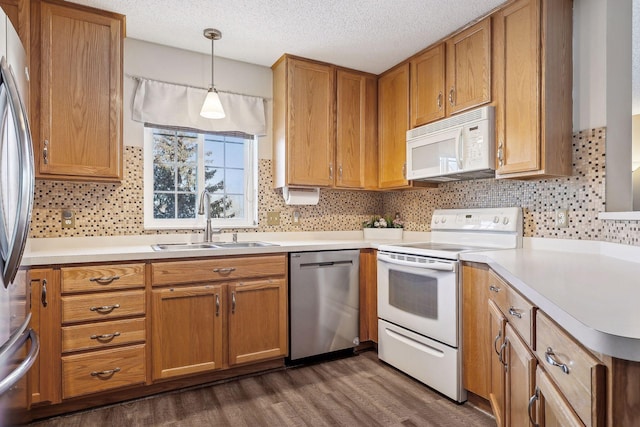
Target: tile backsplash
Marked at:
117, 209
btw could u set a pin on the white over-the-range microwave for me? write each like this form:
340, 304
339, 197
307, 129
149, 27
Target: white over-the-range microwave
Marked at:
457, 148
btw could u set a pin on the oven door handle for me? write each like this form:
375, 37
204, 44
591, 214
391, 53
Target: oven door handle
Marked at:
430, 265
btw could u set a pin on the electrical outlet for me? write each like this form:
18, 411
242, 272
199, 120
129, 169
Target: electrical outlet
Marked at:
562, 218
295, 217
273, 218
68, 218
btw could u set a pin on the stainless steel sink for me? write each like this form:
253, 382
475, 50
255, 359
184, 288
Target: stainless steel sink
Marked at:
244, 244
208, 245
183, 246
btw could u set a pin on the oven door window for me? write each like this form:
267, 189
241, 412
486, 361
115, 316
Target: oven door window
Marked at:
415, 294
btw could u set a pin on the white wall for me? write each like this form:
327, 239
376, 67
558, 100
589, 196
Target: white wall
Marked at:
173, 65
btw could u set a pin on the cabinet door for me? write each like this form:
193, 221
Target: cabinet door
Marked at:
552, 408
368, 295
428, 86
520, 376
81, 94
257, 321
518, 79
45, 376
311, 131
393, 123
186, 330
469, 67
356, 129
497, 324
476, 339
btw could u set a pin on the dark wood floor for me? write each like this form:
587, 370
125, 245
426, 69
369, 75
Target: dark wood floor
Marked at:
354, 391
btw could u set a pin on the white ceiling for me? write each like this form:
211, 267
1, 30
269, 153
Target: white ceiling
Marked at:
367, 35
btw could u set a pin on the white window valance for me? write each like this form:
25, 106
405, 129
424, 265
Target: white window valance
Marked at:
176, 105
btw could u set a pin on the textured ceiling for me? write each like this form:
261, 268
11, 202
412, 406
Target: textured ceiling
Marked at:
368, 35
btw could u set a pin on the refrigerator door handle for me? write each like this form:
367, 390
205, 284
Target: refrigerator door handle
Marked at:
14, 376
11, 345
16, 244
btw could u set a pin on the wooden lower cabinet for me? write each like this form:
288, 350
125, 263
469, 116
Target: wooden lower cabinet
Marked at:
257, 320
519, 378
187, 330
497, 368
553, 410
368, 295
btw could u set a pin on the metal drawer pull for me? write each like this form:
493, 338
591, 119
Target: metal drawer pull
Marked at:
502, 347
493, 288
495, 342
514, 312
217, 305
233, 302
550, 358
107, 373
43, 294
105, 308
105, 337
224, 270
104, 280
532, 400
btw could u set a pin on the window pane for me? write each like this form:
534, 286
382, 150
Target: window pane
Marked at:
234, 181
234, 155
163, 148
236, 207
213, 153
218, 206
187, 177
187, 150
163, 205
214, 180
163, 177
186, 205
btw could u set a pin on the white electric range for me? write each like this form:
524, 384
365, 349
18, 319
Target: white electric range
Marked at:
419, 327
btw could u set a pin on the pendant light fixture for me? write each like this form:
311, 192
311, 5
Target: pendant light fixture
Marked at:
212, 107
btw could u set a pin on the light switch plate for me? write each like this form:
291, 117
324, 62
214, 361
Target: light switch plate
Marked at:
273, 218
295, 217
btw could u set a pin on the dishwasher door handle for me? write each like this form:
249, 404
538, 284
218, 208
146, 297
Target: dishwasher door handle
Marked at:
325, 264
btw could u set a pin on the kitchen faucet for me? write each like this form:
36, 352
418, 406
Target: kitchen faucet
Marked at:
208, 230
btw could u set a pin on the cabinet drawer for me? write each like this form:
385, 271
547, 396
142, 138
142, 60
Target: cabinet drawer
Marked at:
169, 273
79, 308
517, 310
102, 277
580, 376
102, 370
102, 334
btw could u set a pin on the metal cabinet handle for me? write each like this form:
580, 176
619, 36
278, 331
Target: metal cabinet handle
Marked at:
224, 270
233, 302
217, 305
493, 288
500, 154
340, 172
330, 170
439, 100
514, 312
500, 356
45, 152
404, 171
104, 280
43, 293
105, 308
106, 373
451, 96
532, 400
495, 342
549, 356
105, 337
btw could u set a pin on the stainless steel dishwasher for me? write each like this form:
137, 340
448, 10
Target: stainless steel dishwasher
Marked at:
324, 302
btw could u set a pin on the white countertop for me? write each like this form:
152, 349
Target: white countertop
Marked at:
592, 289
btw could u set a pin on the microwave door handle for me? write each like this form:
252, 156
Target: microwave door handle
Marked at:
440, 266
459, 149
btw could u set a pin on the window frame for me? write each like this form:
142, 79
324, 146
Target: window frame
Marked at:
199, 222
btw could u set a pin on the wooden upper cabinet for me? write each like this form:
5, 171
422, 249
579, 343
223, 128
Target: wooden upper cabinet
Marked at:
80, 97
393, 123
532, 56
304, 123
428, 86
469, 67
356, 127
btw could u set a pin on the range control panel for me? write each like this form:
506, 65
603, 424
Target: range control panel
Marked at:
486, 219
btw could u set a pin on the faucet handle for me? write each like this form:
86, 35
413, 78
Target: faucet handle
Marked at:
235, 237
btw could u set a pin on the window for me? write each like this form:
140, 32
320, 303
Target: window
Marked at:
180, 164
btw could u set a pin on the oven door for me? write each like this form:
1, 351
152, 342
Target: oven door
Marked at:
420, 295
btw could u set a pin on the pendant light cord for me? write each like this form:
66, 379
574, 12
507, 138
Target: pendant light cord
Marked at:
212, 54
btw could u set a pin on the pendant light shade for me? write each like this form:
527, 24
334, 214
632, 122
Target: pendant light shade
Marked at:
212, 107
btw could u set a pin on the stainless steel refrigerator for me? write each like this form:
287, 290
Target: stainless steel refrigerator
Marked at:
19, 345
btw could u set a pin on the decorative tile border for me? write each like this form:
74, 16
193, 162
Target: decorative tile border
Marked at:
117, 209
